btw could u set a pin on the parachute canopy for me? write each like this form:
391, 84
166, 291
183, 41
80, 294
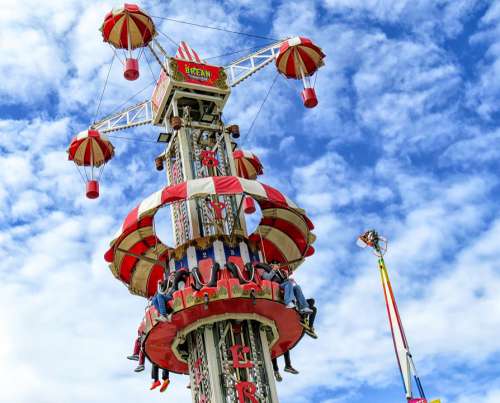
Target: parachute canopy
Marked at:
299, 56
128, 27
90, 148
284, 231
248, 166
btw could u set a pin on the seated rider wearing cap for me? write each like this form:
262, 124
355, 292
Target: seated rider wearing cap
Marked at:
292, 292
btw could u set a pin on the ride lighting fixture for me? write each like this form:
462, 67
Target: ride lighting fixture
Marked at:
208, 118
164, 137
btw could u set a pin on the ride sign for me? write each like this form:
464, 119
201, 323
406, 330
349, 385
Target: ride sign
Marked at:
198, 73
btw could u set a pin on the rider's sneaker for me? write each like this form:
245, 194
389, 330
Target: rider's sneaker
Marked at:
291, 370
164, 385
278, 377
310, 332
155, 385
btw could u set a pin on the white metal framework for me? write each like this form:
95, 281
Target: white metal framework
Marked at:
136, 115
142, 113
243, 68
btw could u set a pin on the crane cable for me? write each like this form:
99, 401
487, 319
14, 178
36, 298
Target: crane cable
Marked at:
132, 97
168, 37
262, 104
215, 28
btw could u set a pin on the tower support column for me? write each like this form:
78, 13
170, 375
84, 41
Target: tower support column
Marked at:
230, 362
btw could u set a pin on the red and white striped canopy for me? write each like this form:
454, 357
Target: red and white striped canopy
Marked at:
299, 55
128, 22
284, 235
248, 166
90, 148
284, 231
185, 52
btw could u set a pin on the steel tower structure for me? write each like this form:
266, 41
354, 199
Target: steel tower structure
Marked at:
227, 322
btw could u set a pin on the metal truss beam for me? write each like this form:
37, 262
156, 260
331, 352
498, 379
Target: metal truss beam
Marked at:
136, 115
243, 68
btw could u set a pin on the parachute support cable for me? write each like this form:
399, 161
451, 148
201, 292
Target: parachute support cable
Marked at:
315, 78
262, 104
104, 88
116, 54
81, 175
141, 52
101, 170
150, 69
215, 28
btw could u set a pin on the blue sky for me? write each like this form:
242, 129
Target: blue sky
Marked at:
405, 139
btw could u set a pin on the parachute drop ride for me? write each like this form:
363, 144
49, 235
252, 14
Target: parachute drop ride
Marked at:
404, 358
90, 151
227, 321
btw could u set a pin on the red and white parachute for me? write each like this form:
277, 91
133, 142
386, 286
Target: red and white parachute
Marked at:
300, 58
128, 28
90, 151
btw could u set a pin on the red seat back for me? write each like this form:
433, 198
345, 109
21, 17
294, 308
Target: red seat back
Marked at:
205, 268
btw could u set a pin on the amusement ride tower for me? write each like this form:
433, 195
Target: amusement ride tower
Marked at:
227, 322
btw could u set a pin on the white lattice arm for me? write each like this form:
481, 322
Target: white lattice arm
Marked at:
137, 115
243, 68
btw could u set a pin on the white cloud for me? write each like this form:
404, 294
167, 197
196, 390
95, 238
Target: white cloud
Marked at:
32, 59
490, 396
439, 230
483, 94
477, 150
329, 182
425, 17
